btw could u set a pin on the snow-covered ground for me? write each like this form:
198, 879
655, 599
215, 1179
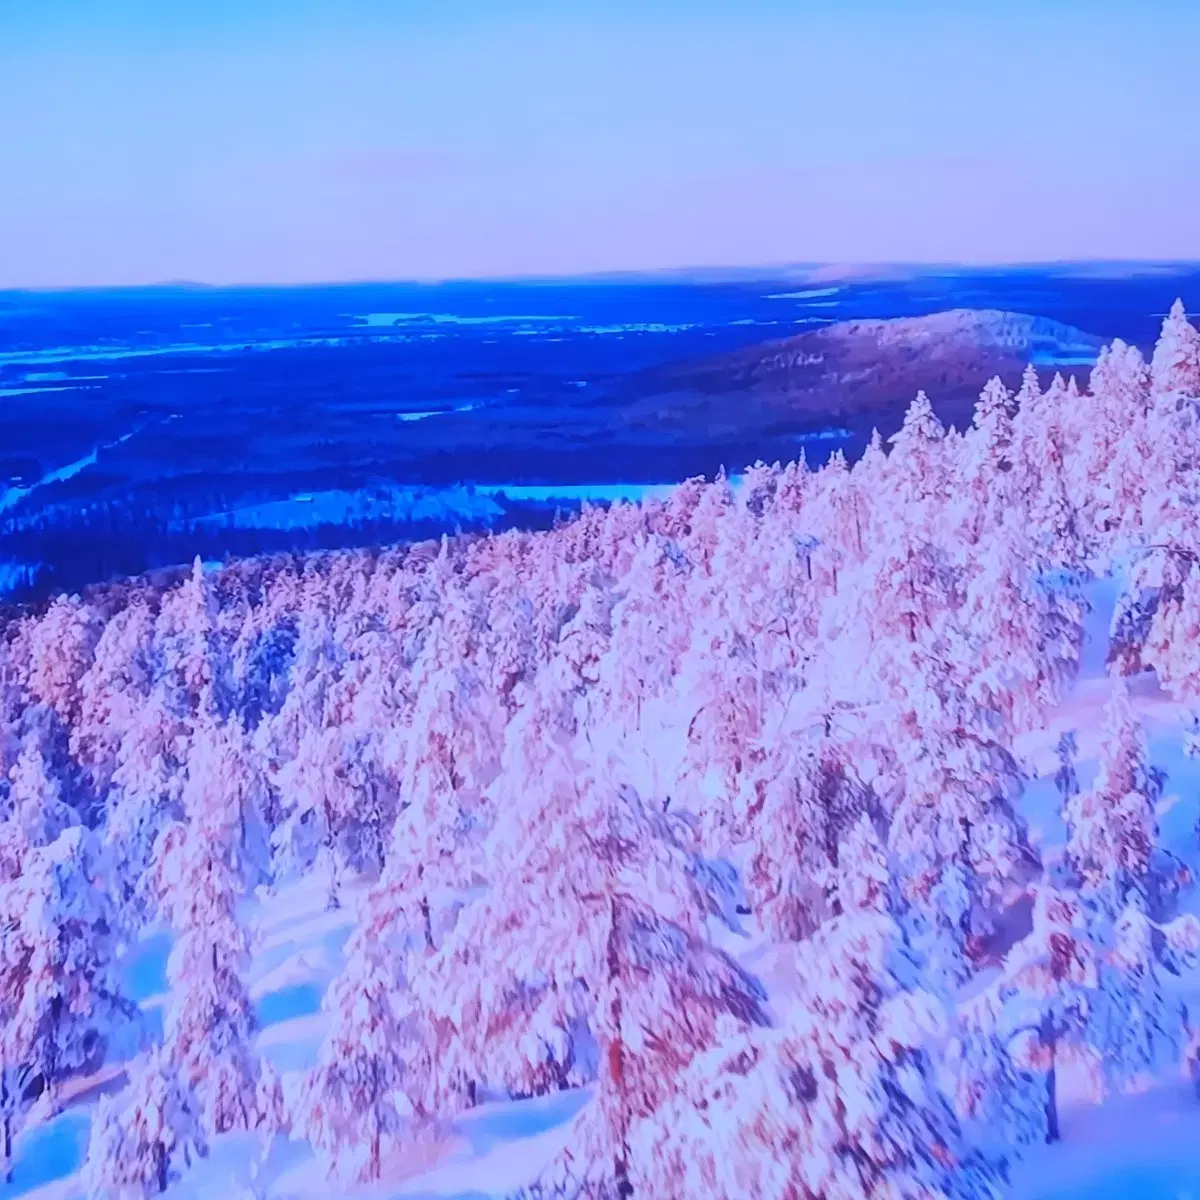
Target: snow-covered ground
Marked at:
14, 575
336, 507
493, 1151
1131, 1146
14, 495
1138, 1146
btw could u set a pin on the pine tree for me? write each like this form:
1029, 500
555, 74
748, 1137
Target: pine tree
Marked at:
1176, 363
140, 1138
188, 637
594, 917
60, 646
917, 466
787, 823
353, 1105
35, 800
59, 995
201, 870
210, 1025
838, 1101
1172, 645
1112, 828
1134, 1022
1040, 1001
981, 477
147, 794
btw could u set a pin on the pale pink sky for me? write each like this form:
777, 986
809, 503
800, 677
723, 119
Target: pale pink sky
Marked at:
270, 142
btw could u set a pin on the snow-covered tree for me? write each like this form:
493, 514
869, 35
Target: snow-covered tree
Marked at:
354, 1106
35, 806
146, 792
1111, 827
987, 462
787, 821
59, 995
839, 1101
916, 465
210, 1023
188, 638
1039, 1004
594, 924
1172, 646
1054, 525
114, 691
200, 873
1175, 366
1135, 1022
60, 645
141, 1138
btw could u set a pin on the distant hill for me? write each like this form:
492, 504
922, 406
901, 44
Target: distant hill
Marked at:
859, 372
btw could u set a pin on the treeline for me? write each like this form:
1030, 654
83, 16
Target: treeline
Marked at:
112, 540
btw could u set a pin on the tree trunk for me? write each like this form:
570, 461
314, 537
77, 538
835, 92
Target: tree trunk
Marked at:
617, 1068
427, 923
332, 902
1049, 1037
5, 1096
374, 1163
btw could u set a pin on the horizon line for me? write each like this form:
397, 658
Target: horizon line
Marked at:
732, 273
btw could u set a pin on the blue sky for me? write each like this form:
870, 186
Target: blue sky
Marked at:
272, 141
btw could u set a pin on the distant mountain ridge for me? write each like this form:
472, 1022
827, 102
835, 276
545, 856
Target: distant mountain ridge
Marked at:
864, 370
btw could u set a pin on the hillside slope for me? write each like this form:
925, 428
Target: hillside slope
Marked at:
863, 372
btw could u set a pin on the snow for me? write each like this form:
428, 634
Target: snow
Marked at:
806, 294
103, 353
337, 507
16, 574
574, 493
385, 319
824, 435
294, 1045
502, 1147
284, 954
425, 414
297, 1000
14, 496
638, 327
144, 971
56, 377
1135, 1146
1140, 1145
1054, 358
48, 1152
32, 391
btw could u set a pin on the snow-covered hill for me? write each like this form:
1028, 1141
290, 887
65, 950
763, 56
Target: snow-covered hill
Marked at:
866, 370
833, 833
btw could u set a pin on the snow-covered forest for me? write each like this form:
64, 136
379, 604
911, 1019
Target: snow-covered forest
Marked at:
763, 823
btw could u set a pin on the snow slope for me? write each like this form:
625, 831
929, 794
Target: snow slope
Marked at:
1141, 1145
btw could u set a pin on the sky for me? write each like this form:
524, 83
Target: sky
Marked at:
287, 141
